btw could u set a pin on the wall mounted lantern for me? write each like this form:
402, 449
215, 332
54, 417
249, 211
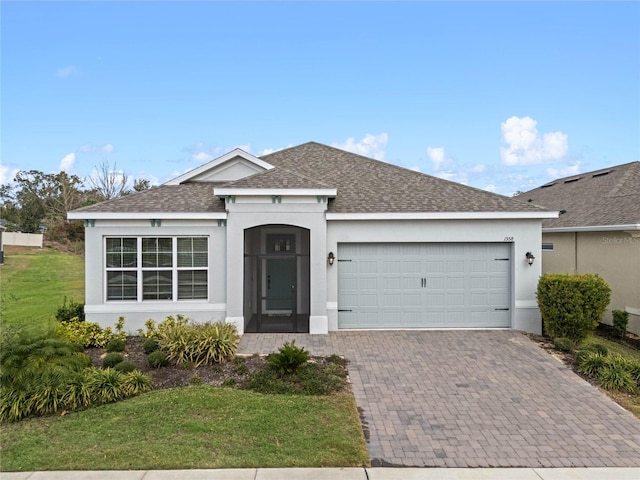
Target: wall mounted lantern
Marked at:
331, 258
530, 258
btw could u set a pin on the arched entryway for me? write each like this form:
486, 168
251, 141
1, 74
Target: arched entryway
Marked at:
276, 279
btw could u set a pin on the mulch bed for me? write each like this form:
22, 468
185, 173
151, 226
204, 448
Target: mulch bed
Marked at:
630, 339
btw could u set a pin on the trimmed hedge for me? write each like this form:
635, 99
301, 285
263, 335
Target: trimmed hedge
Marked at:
572, 305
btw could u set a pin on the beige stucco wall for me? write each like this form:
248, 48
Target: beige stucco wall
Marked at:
615, 256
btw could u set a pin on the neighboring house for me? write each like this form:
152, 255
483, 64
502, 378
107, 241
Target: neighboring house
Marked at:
598, 231
313, 239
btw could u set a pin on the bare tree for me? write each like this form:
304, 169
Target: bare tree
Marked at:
108, 182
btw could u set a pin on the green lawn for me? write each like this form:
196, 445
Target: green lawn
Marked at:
193, 427
614, 348
34, 282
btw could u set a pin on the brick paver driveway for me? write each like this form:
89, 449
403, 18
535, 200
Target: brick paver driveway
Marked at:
472, 399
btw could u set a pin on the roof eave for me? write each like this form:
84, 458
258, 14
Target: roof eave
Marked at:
84, 215
298, 192
442, 215
593, 228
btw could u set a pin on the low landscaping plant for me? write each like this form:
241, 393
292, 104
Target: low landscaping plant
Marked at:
124, 367
70, 311
197, 344
620, 322
288, 359
157, 359
572, 305
150, 345
116, 344
616, 374
112, 359
89, 334
309, 379
563, 344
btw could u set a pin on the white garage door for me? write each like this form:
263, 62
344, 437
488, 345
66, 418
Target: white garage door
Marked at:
423, 285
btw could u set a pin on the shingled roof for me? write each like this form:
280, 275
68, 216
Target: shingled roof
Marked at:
364, 185
610, 196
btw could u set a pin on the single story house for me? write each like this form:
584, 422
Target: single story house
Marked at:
313, 239
598, 231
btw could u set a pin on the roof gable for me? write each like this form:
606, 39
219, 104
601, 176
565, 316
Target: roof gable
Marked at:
605, 197
231, 166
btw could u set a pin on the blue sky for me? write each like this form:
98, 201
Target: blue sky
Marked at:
502, 96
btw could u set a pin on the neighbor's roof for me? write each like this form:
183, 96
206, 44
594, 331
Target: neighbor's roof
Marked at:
606, 197
364, 185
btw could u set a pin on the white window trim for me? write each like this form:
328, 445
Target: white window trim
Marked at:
140, 269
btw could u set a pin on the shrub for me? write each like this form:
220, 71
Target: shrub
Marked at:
116, 344
615, 376
135, 383
591, 348
197, 344
195, 380
112, 359
124, 367
572, 305
150, 345
591, 364
70, 311
157, 359
267, 381
106, 385
620, 322
563, 344
288, 359
87, 334
309, 379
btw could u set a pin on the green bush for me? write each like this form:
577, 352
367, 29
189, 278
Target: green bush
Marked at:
620, 322
591, 348
563, 344
197, 344
106, 386
124, 367
309, 379
288, 359
150, 345
572, 305
116, 344
157, 359
70, 311
87, 334
135, 383
112, 359
591, 364
615, 375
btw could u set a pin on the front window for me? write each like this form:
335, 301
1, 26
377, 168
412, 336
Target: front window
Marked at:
157, 268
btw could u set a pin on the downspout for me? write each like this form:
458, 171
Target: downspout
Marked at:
575, 252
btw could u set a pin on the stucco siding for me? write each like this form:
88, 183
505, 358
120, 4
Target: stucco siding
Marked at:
106, 313
614, 255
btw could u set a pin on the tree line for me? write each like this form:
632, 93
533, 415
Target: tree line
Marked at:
38, 201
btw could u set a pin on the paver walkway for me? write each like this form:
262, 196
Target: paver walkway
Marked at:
472, 399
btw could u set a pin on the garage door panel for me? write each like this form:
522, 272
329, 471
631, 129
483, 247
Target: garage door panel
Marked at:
423, 285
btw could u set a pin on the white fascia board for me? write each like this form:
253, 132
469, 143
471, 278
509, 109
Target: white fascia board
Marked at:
592, 228
219, 161
298, 192
146, 216
442, 216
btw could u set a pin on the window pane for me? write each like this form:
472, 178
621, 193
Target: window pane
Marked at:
157, 285
192, 284
157, 252
121, 252
122, 285
192, 252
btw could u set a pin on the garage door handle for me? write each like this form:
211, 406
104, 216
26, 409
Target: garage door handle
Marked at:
342, 310
501, 309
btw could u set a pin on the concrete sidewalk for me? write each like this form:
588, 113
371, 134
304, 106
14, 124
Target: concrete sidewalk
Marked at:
341, 474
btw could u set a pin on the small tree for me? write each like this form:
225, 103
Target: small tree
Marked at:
572, 305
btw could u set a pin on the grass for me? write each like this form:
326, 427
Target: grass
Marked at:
193, 427
34, 282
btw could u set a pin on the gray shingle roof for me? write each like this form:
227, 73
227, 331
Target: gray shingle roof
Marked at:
363, 185
609, 196
188, 197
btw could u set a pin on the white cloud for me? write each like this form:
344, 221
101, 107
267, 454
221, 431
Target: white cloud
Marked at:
479, 168
6, 174
202, 157
67, 162
564, 171
525, 145
370, 145
439, 158
415, 168
89, 148
490, 188
65, 72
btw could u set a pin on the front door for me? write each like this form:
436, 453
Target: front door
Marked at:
281, 284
